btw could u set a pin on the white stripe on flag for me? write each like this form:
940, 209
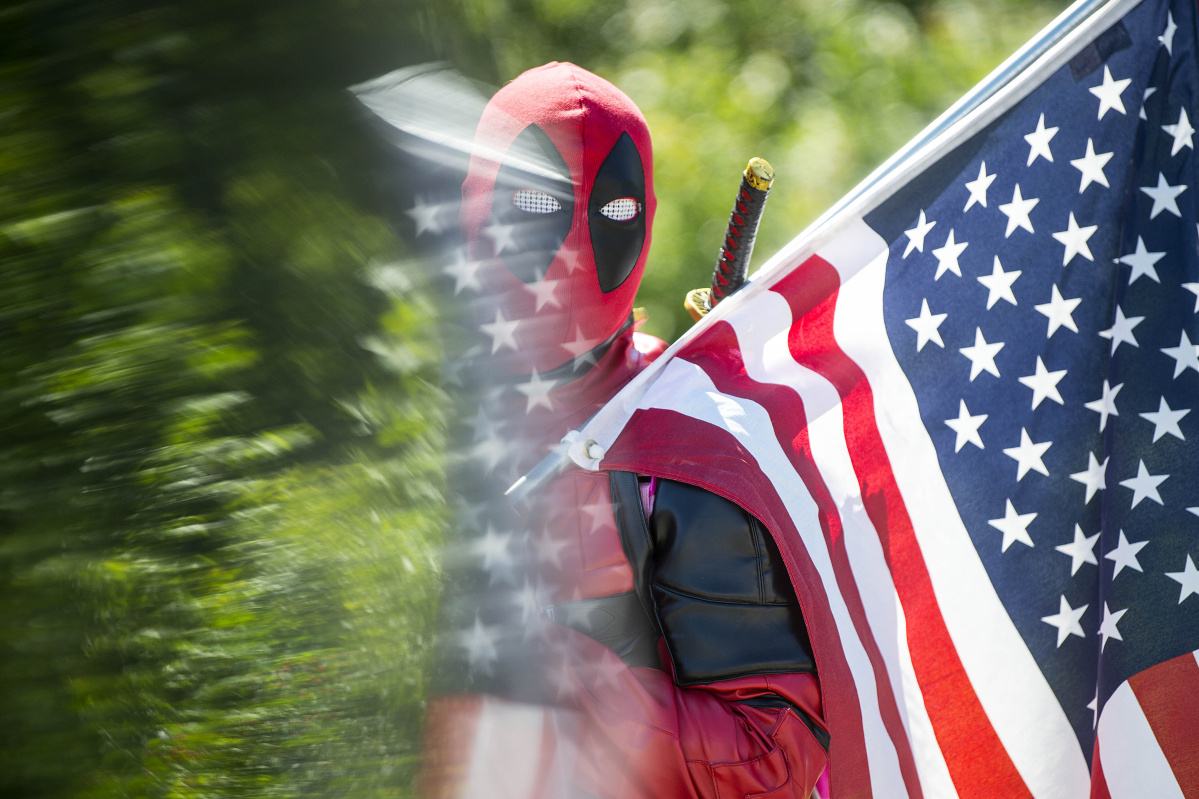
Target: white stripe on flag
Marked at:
1133, 763
685, 388
1012, 690
763, 339
507, 753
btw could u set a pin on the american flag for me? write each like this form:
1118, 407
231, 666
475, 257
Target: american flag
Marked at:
966, 406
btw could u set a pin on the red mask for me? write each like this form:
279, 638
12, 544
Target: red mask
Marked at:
559, 204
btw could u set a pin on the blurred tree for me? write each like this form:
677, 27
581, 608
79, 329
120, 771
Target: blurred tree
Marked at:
220, 461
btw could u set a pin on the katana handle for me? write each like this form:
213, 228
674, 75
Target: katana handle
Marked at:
732, 264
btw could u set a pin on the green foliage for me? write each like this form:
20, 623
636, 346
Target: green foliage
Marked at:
220, 504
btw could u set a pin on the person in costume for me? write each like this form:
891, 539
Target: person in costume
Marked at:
678, 661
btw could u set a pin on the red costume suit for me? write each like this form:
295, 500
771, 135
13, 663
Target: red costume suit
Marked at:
682, 664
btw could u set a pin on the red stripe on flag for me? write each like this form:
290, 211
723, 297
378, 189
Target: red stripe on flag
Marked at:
675, 446
973, 752
719, 355
1098, 783
1168, 694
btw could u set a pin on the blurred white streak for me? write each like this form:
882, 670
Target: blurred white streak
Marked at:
437, 110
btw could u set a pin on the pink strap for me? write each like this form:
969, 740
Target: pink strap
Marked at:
648, 489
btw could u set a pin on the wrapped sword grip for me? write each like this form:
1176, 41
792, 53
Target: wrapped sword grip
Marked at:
733, 261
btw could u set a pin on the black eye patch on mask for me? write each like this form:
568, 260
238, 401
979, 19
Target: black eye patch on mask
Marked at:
532, 206
617, 242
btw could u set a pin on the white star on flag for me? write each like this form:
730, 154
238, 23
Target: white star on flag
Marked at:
999, 284
966, 427
599, 513
1081, 550
947, 256
1165, 196
502, 332
1121, 330
581, 348
1014, 526
1167, 37
1109, 93
1091, 165
1066, 621
490, 450
1106, 405
607, 670
1144, 485
1059, 311
1188, 578
926, 325
916, 235
501, 237
1028, 456
482, 425
1185, 355
1125, 555
1165, 420
424, 216
479, 643
465, 273
493, 548
546, 293
1107, 628
550, 547
1038, 141
572, 258
1044, 384
538, 392
469, 514
527, 600
1194, 289
978, 187
1075, 239
1094, 477
982, 355
1142, 262
1148, 93
1181, 131
1017, 212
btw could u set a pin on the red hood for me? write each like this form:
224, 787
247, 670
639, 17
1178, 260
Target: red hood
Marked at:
559, 302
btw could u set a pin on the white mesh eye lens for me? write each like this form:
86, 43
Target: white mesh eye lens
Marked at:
532, 201
621, 210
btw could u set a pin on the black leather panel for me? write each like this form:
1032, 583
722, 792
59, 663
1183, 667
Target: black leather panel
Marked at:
618, 621
713, 582
712, 641
720, 590
707, 545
